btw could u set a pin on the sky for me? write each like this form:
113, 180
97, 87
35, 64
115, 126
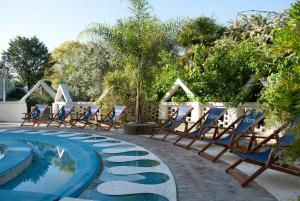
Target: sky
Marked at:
55, 21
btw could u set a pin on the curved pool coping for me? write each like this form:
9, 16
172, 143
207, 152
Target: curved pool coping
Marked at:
21, 155
86, 166
87, 163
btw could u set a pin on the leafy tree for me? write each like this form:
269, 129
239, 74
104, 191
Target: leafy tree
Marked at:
201, 30
137, 41
29, 57
281, 96
82, 67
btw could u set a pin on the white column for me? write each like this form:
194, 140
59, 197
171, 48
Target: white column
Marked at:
4, 90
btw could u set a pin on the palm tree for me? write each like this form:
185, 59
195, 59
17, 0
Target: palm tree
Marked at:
138, 41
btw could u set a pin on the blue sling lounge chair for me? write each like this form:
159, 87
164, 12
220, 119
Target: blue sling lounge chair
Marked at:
264, 156
204, 126
87, 116
173, 122
112, 118
243, 128
62, 115
34, 117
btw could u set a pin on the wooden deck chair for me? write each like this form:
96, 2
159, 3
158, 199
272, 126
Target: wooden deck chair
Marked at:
264, 156
211, 122
86, 117
111, 119
173, 122
62, 115
35, 115
243, 127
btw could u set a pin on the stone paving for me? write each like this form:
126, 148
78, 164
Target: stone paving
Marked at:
196, 178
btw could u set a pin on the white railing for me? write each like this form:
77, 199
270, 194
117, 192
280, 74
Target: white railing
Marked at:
167, 108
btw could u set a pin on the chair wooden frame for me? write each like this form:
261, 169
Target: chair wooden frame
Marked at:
115, 122
80, 118
28, 116
55, 117
203, 129
171, 120
247, 132
270, 164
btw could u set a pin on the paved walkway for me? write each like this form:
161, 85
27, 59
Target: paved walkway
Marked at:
198, 179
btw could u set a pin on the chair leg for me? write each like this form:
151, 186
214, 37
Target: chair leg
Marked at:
84, 125
191, 143
220, 154
22, 123
74, 123
49, 123
206, 155
165, 137
253, 176
97, 126
234, 165
154, 133
60, 124
34, 123
204, 148
177, 140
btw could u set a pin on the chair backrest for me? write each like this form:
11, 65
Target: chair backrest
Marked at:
183, 111
90, 112
65, 111
250, 120
116, 112
38, 110
213, 115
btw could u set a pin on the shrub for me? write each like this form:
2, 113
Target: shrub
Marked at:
16, 94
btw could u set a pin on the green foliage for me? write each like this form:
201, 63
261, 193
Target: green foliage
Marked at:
29, 57
138, 41
281, 96
82, 68
16, 94
292, 153
19, 84
38, 97
201, 30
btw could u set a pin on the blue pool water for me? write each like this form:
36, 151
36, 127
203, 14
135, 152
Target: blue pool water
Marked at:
133, 197
54, 170
2, 151
142, 178
51, 167
129, 153
95, 138
135, 163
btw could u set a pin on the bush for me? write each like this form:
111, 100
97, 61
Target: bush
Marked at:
16, 94
36, 98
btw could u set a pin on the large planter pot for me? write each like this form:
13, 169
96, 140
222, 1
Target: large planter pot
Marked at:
133, 128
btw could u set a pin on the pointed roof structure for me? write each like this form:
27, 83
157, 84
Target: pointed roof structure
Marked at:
45, 86
178, 83
63, 94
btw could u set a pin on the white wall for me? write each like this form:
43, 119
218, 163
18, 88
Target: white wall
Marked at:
11, 111
10, 85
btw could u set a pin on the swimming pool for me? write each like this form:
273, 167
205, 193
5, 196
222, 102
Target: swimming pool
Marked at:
50, 168
87, 166
2, 150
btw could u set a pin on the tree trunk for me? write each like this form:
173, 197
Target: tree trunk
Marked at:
138, 115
